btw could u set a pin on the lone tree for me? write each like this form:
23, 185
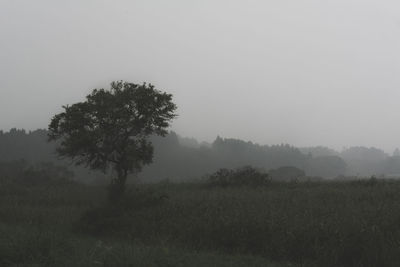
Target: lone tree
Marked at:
110, 130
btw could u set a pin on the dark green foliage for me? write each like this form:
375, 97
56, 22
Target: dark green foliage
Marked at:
392, 166
309, 224
233, 152
326, 166
242, 176
37, 229
182, 160
287, 173
30, 146
312, 224
318, 151
23, 174
115, 220
111, 129
30, 246
46, 173
367, 161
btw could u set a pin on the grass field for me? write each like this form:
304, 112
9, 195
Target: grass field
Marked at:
283, 224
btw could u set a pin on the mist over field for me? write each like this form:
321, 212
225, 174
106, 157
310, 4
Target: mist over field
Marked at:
200, 133
178, 158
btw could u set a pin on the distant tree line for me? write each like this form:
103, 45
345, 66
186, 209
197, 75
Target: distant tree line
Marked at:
178, 158
362, 161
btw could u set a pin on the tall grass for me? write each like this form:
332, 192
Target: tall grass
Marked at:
308, 224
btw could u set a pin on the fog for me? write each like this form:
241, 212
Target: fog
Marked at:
305, 72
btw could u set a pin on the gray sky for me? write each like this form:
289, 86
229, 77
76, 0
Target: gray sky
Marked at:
304, 72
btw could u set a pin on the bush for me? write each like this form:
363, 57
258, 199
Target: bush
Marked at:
21, 173
242, 176
287, 174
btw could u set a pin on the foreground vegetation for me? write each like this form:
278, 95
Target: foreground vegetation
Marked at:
280, 224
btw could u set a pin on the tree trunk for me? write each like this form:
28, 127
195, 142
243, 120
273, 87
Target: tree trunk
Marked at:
117, 187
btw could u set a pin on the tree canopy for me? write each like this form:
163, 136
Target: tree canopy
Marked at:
110, 129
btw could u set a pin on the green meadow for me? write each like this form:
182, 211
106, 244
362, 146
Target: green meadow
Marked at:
353, 223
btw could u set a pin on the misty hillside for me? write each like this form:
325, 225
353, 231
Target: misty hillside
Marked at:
179, 158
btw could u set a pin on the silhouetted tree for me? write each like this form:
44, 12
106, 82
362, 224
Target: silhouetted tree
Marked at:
110, 129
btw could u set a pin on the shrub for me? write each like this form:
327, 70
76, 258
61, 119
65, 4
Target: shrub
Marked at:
21, 173
287, 173
246, 175
45, 173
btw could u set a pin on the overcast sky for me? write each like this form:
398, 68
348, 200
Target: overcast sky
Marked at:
303, 72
